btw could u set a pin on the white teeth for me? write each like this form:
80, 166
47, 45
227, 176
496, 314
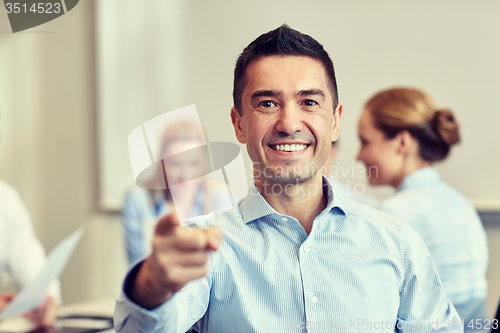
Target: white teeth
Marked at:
292, 147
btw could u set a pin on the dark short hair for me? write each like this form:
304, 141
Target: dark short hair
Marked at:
287, 42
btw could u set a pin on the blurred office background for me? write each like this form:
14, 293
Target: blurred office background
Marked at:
71, 91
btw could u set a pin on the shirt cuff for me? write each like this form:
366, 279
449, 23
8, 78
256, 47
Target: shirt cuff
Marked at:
130, 317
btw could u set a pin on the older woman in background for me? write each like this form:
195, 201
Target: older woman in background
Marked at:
402, 134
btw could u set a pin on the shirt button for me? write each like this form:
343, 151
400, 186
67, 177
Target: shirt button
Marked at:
314, 299
306, 249
284, 219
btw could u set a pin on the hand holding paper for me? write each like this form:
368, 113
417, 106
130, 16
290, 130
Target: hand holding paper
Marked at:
45, 314
35, 293
5, 298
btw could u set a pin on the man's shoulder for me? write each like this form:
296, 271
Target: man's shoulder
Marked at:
374, 224
402, 203
374, 219
357, 209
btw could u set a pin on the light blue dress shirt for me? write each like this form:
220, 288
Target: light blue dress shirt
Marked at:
359, 270
452, 231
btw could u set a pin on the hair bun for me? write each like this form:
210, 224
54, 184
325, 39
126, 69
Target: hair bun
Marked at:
445, 125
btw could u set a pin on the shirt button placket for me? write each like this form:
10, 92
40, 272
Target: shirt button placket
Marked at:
308, 285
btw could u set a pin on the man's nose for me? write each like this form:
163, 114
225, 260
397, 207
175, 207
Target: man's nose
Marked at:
290, 120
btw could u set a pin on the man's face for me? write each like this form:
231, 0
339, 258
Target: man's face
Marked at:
287, 118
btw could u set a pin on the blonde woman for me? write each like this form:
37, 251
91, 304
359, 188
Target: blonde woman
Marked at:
193, 195
402, 135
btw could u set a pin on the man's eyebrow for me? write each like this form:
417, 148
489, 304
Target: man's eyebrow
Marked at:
310, 92
265, 93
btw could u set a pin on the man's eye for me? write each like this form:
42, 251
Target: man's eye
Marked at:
267, 104
310, 102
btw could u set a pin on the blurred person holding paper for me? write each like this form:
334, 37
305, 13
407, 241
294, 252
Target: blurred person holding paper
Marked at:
22, 255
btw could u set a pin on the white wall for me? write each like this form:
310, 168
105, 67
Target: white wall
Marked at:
48, 125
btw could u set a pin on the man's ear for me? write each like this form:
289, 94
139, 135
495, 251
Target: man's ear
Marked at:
336, 122
237, 124
405, 142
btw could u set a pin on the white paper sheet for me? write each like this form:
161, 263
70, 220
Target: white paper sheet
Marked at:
36, 291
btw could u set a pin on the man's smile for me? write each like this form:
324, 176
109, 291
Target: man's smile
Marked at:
289, 147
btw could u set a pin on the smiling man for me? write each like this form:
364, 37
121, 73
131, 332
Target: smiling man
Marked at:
291, 256
288, 119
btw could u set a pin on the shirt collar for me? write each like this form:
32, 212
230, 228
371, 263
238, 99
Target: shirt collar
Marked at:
254, 206
420, 177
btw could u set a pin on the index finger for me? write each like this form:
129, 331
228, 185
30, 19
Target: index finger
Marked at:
167, 225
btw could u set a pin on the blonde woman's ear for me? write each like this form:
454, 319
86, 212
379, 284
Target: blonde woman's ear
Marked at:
405, 143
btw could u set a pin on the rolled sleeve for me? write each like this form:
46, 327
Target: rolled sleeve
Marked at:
178, 314
130, 317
